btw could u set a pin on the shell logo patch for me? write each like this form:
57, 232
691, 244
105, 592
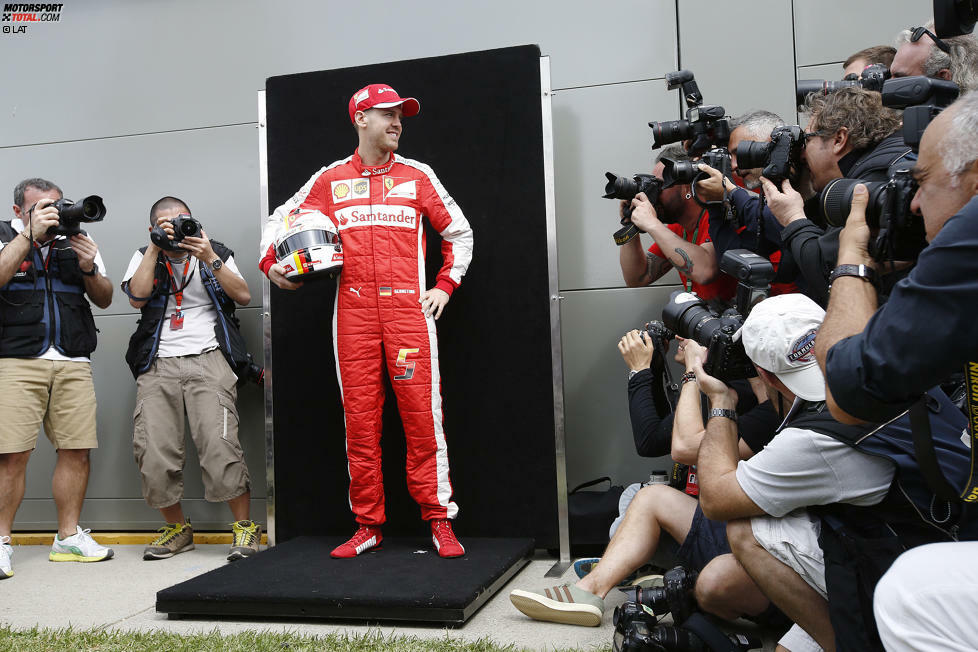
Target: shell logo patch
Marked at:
340, 190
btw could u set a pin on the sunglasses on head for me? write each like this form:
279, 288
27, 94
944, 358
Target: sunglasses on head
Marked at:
917, 33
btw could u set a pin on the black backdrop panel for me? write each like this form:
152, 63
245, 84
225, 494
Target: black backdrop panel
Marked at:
480, 129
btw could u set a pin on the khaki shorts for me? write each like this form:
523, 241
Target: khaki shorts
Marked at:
203, 387
59, 394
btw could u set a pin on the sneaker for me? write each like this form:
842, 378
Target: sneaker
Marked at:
174, 538
585, 565
6, 550
247, 536
367, 537
566, 604
80, 546
444, 539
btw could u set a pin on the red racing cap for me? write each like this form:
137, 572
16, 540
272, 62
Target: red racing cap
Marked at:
381, 96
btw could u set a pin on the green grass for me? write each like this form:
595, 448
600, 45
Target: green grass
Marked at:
110, 641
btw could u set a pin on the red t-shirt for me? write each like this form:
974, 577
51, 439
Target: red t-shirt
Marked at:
724, 286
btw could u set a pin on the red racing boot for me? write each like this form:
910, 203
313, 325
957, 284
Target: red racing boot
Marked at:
368, 537
444, 539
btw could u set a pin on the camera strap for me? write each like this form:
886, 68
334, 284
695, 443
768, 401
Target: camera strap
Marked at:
710, 634
924, 446
625, 234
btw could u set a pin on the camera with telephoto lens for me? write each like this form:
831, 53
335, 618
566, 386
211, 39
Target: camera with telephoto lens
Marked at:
637, 631
184, 226
675, 596
705, 126
626, 188
688, 172
780, 158
872, 79
71, 214
898, 233
690, 317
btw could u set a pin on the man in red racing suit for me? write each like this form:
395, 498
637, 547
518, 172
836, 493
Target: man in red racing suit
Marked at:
383, 311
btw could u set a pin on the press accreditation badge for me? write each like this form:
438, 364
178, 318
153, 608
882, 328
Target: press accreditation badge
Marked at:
176, 321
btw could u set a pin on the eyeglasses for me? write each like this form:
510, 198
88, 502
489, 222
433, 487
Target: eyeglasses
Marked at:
917, 33
811, 134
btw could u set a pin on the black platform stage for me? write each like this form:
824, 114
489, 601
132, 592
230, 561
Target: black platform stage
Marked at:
407, 580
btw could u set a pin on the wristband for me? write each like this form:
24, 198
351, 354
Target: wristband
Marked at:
728, 414
25, 234
687, 377
859, 271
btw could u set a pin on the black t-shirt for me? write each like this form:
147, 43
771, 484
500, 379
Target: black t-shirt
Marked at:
652, 427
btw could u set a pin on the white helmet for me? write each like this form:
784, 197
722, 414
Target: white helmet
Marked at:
311, 248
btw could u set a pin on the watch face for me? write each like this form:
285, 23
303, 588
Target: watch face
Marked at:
217, 264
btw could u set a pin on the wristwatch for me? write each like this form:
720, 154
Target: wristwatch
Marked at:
859, 271
632, 372
217, 264
729, 414
93, 272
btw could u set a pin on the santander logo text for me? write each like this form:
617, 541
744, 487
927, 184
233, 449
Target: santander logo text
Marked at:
398, 216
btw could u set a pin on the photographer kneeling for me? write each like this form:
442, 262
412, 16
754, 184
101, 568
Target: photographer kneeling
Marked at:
850, 135
662, 513
185, 286
873, 500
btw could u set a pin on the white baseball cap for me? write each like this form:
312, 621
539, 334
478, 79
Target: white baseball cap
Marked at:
779, 336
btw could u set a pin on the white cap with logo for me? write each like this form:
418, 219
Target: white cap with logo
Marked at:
779, 336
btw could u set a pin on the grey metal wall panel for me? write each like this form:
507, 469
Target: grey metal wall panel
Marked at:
598, 431
213, 170
178, 64
758, 72
830, 71
597, 130
831, 30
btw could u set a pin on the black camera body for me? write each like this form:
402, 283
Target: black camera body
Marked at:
705, 126
690, 317
873, 78
71, 214
921, 99
900, 235
627, 188
184, 226
688, 172
780, 158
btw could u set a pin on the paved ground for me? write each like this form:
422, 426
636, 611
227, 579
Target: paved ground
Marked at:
121, 594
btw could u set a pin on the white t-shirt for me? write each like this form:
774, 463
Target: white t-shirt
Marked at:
199, 314
800, 467
53, 353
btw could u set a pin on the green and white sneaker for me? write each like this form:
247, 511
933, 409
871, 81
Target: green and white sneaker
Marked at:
6, 550
566, 604
174, 538
80, 546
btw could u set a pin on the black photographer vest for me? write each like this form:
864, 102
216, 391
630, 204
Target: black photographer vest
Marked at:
145, 342
861, 543
44, 304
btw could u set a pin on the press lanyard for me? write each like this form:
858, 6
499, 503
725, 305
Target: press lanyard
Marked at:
696, 233
176, 319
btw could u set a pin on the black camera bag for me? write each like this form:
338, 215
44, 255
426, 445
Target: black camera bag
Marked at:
591, 514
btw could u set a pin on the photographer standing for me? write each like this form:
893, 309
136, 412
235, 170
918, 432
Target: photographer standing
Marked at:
682, 239
185, 288
878, 363
47, 334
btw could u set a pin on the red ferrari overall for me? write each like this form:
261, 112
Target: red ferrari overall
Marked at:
378, 319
